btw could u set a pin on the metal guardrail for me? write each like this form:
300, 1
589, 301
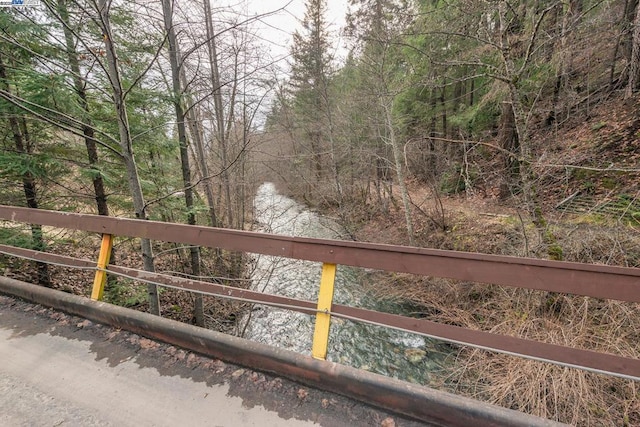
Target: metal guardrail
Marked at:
433, 407
597, 281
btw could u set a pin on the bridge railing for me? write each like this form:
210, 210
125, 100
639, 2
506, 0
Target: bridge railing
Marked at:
598, 281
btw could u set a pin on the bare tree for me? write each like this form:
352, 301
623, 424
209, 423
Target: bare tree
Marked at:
221, 126
376, 30
634, 63
174, 60
126, 143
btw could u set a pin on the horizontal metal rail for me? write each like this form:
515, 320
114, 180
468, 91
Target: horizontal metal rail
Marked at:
561, 355
598, 281
208, 288
431, 406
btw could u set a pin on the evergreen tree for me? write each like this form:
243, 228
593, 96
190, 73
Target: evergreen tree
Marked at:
25, 156
310, 75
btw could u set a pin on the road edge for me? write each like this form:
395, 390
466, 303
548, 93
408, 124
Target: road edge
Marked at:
419, 402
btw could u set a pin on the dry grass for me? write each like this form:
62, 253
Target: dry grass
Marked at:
563, 394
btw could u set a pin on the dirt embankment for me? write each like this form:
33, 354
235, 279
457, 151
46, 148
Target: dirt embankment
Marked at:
590, 198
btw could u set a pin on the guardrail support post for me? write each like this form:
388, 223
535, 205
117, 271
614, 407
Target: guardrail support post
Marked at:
323, 318
103, 260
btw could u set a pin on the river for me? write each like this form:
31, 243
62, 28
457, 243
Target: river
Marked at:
389, 352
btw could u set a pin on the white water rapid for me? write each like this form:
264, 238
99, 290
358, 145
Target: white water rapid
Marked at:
389, 352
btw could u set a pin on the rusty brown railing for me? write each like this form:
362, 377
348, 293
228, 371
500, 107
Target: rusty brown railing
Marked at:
598, 281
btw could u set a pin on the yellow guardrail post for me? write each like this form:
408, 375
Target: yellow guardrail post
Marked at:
323, 318
103, 260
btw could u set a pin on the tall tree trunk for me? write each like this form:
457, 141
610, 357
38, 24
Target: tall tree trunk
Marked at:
520, 120
332, 144
458, 94
126, 147
624, 43
87, 128
197, 136
565, 68
432, 159
219, 110
528, 176
194, 251
443, 103
508, 140
630, 11
316, 155
24, 148
634, 63
399, 166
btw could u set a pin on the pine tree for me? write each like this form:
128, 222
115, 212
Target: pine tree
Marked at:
21, 160
310, 74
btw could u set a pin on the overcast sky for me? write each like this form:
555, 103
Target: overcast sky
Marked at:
277, 29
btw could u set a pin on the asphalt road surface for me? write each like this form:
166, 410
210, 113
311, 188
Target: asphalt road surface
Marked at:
60, 370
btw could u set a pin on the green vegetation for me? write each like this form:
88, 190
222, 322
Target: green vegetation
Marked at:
126, 293
15, 237
177, 112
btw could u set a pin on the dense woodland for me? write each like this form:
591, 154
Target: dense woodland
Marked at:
176, 110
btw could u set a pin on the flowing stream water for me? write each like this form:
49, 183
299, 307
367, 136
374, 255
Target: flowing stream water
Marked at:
389, 352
